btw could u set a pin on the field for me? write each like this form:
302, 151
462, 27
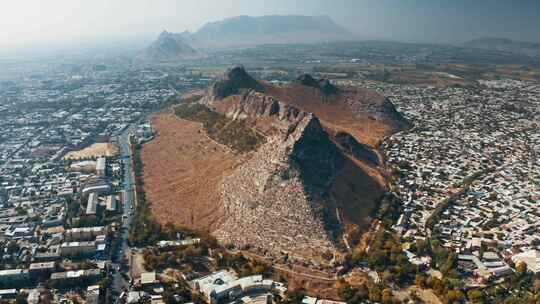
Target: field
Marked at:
182, 169
95, 150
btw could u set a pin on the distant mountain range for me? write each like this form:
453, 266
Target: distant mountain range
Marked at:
245, 31
249, 31
505, 45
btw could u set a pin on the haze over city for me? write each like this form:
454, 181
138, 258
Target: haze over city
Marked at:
64, 24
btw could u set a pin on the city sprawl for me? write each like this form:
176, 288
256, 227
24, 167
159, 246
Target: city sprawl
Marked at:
121, 182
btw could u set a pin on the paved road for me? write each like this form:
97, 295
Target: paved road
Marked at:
119, 283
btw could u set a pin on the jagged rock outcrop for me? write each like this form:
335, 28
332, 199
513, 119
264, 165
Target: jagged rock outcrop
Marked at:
324, 85
233, 82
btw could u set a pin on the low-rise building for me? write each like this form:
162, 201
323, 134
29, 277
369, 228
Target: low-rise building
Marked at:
101, 164
111, 203
76, 278
41, 270
14, 277
91, 207
84, 234
77, 248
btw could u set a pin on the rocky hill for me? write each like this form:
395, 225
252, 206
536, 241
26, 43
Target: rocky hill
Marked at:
303, 178
170, 47
311, 179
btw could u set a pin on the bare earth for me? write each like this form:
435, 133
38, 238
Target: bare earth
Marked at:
182, 169
95, 150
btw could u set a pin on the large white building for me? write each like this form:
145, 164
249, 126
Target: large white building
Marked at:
224, 286
101, 188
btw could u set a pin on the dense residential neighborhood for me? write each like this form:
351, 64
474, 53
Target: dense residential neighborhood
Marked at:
63, 199
468, 172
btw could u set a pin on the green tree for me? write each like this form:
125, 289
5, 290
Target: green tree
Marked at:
375, 293
475, 296
344, 290
454, 296
521, 268
387, 296
361, 295
420, 280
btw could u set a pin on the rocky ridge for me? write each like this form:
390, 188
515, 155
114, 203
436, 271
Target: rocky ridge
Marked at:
286, 198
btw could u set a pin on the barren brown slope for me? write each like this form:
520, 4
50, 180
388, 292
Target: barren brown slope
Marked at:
353, 110
182, 170
297, 191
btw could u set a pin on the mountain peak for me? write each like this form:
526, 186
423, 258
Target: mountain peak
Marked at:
169, 47
234, 80
324, 85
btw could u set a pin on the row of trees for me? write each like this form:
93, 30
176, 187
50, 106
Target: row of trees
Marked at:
364, 292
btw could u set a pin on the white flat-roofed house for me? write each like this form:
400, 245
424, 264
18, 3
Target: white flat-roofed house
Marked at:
91, 207
101, 165
102, 188
111, 203
13, 277
77, 248
84, 233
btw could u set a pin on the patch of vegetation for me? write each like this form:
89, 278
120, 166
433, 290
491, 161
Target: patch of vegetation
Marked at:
186, 258
145, 229
234, 134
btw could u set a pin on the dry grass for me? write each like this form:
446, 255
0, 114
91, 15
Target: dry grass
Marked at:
335, 113
182, 170
95, 150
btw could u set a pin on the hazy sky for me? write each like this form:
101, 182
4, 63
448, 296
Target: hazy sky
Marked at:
31, 23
